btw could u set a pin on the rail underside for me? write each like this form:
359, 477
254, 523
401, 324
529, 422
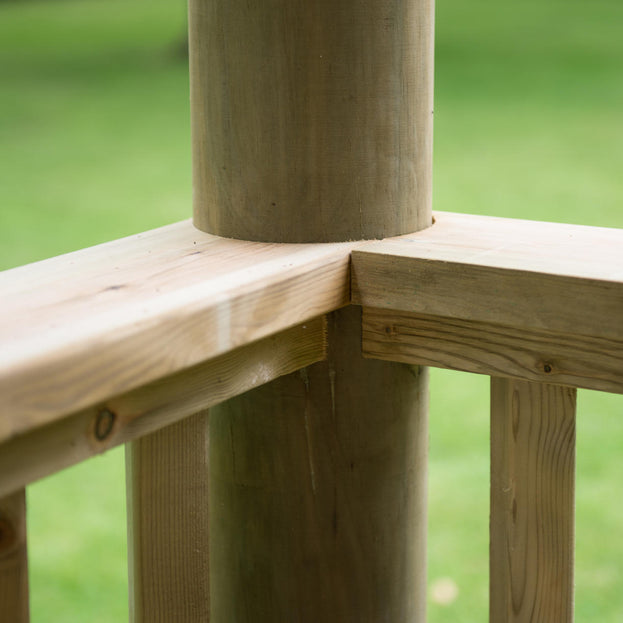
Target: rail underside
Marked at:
109, 344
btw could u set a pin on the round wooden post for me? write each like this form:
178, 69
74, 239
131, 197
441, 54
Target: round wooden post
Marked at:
312, 122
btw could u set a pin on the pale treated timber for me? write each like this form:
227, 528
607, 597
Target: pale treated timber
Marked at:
13, 559
83, 327
494, 350
44, 450
532, 502
563, 279
318, 492
311, 121
168, 524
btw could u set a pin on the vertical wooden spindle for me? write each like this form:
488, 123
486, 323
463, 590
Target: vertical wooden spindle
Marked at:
532, 502
168, 524
312, 122
13, 559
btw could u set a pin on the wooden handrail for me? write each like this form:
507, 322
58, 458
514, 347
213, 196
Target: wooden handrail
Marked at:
522, 274
535, 305
79, 332
81, 328
502, 297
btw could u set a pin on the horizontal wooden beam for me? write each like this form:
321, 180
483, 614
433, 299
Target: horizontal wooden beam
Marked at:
563, 279
43, 450
81, 328
534, 301
494, 350
140, 327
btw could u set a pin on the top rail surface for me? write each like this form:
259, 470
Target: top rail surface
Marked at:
82, 327
523, 274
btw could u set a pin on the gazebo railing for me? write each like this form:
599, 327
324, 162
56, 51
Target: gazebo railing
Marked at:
118, 342
311, 124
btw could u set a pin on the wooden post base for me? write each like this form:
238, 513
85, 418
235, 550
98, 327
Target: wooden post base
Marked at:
318, 492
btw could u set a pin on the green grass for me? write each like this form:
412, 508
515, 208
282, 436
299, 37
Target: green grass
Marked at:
528, 110
77, 545
94, 123
94, 128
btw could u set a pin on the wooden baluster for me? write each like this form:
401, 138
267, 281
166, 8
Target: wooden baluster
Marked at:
13, 559
168, 524
532, 502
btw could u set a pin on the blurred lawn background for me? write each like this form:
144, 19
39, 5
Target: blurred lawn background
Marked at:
95, 145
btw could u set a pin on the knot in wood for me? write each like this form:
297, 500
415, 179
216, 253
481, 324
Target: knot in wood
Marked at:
104, 424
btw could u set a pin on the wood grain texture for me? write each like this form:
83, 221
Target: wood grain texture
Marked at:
526, 275
13, 559
532, 502
318, 492
168, 535
81, 328
311, 121
44, 450
494, 350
